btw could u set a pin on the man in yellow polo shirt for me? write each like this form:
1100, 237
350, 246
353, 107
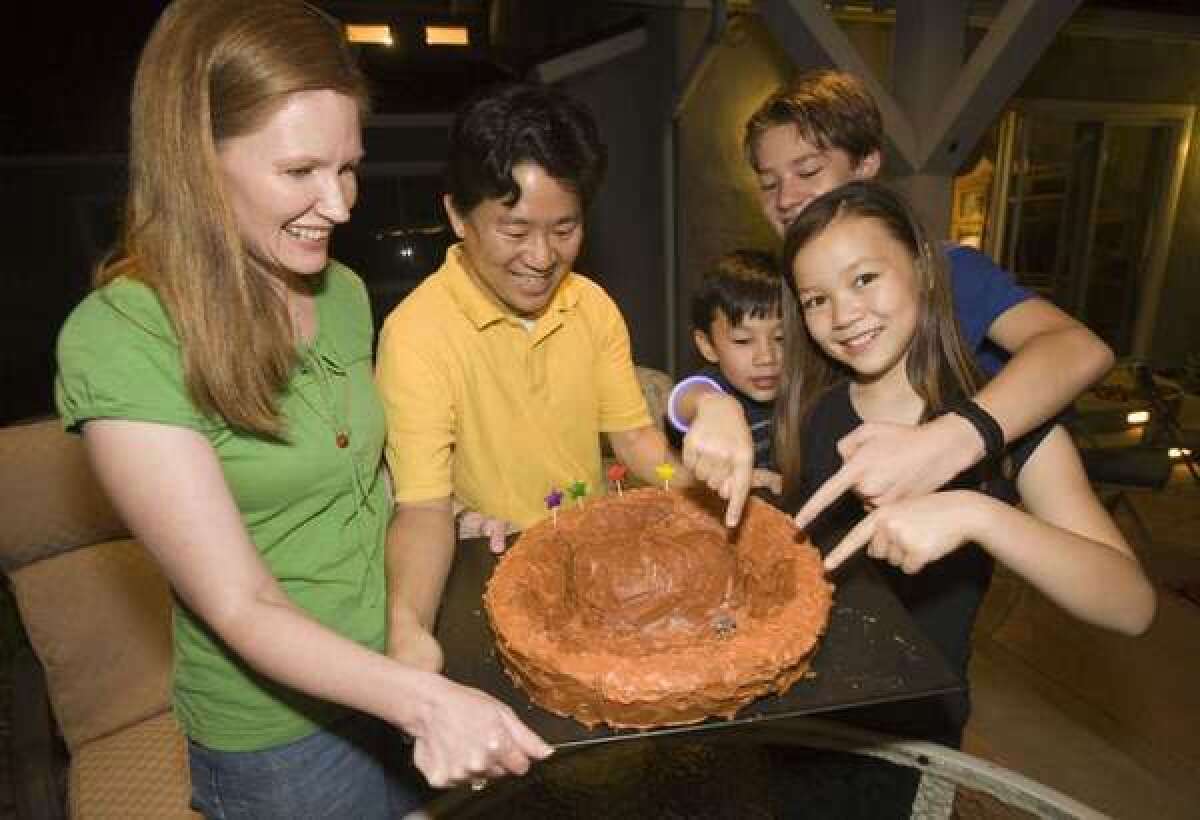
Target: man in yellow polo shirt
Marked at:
500, 371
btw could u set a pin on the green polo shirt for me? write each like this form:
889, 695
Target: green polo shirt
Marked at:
316, 512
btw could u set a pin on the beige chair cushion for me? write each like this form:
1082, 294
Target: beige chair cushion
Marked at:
99, 619
49, 500
141, 772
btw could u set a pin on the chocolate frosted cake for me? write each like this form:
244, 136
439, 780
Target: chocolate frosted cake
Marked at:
644, 610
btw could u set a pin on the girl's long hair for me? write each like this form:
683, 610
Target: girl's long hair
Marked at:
937, 363
211, 70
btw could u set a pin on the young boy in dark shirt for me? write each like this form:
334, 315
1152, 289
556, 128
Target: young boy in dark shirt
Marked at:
737, 326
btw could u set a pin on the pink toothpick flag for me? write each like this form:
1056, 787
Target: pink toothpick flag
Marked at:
616, 473
665, 472
553, 500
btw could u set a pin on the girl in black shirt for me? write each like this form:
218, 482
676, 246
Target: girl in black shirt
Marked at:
871, 336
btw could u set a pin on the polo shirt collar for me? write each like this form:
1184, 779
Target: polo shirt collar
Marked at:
483, 311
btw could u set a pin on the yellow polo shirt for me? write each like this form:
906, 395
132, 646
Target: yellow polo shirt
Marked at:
494, 413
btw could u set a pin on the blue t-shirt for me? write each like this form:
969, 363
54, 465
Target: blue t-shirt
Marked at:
982, 291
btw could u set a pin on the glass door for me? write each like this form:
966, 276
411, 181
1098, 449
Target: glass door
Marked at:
1083, 207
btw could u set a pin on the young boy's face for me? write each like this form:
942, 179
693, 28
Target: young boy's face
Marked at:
792, 172
749, 354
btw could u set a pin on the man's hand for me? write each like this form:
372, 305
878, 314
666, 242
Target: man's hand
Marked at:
473, 524
719, 450
418, 649
910, 534
768, 480
885, 463
410, 643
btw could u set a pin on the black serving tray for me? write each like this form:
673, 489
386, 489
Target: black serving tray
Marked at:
871, 653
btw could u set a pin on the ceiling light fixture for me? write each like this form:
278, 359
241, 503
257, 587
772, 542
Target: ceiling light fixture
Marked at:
447, 36
376, 35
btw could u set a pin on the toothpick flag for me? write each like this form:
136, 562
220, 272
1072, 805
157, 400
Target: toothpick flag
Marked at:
552, 501
616, 473
577, 491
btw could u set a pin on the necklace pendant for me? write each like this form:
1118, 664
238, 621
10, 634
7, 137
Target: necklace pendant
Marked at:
342, 440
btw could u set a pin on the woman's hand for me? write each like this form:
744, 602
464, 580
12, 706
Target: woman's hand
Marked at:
465, 735
719, 451
911, 534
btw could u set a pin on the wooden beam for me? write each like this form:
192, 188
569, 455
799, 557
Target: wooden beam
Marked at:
810, 36
590, 56
1016, 40
928, 44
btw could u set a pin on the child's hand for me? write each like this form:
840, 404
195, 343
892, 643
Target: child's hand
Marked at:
910, 534
719, 450
885, 463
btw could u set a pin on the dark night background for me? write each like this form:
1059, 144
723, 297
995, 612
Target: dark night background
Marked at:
63, 133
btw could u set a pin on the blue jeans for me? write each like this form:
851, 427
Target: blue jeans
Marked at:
360, 768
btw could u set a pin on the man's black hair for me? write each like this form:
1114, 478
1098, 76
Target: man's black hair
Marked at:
514, 123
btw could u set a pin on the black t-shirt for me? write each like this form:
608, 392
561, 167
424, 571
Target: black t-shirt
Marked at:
759, 414
944, 597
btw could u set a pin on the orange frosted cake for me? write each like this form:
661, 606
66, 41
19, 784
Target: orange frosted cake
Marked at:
644, 610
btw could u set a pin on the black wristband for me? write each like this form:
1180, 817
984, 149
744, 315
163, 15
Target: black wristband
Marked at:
987, 427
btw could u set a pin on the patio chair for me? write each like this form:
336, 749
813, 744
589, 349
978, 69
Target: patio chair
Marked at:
93, 735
